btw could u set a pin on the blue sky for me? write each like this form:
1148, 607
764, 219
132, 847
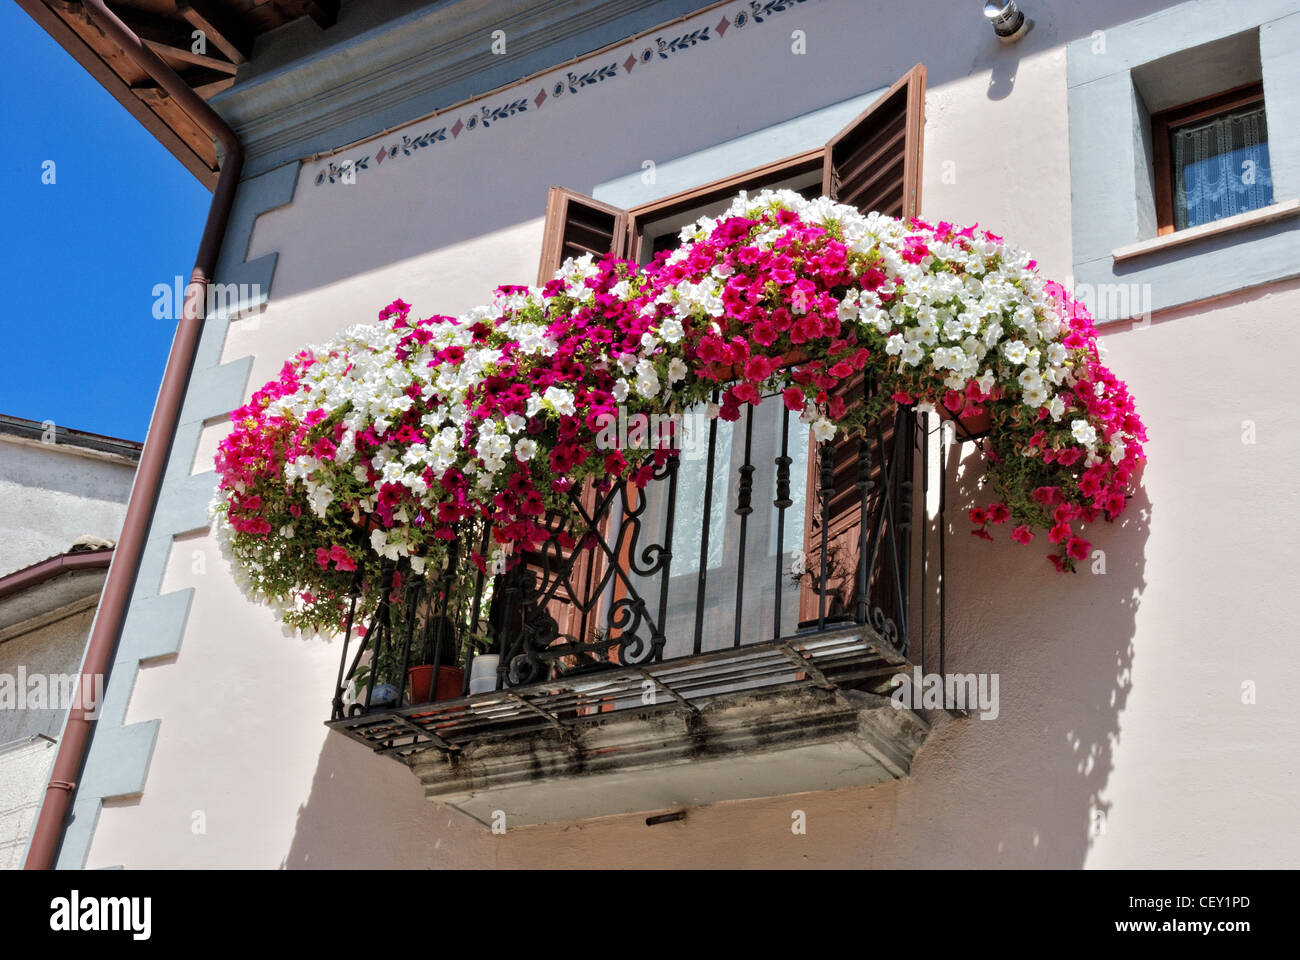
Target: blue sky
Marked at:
81, 256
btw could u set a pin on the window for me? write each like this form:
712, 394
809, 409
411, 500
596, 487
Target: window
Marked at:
873, 164
1211, 159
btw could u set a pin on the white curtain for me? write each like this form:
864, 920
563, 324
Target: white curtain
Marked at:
1221, 168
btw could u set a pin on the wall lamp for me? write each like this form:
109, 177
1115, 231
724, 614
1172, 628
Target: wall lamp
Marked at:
1008, 22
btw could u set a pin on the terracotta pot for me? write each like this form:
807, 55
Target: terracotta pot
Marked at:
968, 427
728, 372
366, 524
451, 681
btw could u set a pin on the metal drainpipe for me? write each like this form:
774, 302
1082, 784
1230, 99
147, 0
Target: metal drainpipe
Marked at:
68, 763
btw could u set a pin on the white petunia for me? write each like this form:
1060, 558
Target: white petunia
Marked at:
1083, 432
671, 330
1035, 396
561, 400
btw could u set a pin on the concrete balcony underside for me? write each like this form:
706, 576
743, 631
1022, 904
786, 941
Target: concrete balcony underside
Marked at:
765, 720
738, 747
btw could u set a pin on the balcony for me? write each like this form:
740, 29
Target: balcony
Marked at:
728, 631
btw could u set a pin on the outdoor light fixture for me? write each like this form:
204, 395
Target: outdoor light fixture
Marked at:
1008, 22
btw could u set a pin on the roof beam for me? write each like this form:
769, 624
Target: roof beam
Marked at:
206, 90
227, 34
205, 83
81, 51
170, 39
186, 55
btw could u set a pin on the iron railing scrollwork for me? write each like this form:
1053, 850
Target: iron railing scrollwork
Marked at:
739, 544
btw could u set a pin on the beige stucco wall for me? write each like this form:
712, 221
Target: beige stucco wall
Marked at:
1120, 693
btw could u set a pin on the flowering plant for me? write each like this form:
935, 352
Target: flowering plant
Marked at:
381, 444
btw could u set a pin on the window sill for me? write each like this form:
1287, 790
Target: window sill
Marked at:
1252, 218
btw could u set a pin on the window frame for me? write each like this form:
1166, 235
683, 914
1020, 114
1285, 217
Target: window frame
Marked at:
1165, 122
808, 161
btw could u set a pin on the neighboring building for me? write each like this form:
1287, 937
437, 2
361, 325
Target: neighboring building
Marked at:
1146, 152
63, 496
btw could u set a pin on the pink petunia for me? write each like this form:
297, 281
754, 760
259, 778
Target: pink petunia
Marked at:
764, 333
758, 368
1049, 496
1077, 548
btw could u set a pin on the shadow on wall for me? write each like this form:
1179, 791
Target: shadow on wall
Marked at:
1027, 788
368, 812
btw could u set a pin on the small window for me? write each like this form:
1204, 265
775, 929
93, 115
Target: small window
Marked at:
1211, 159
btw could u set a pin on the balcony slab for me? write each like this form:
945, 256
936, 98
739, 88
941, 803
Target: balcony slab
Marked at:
734, 746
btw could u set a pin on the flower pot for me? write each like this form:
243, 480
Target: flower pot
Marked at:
968, 426
383, 695
728, 372
483, 673
367, 524
451, 681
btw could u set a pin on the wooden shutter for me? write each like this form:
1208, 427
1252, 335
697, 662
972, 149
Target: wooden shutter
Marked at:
577, 224
873, 164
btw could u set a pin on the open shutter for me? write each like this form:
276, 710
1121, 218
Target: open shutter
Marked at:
873, 164
577, 224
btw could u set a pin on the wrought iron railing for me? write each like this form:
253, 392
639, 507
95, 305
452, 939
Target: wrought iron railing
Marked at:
753, 536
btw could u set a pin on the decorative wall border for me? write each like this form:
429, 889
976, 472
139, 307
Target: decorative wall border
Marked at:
299, 99
642, 51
